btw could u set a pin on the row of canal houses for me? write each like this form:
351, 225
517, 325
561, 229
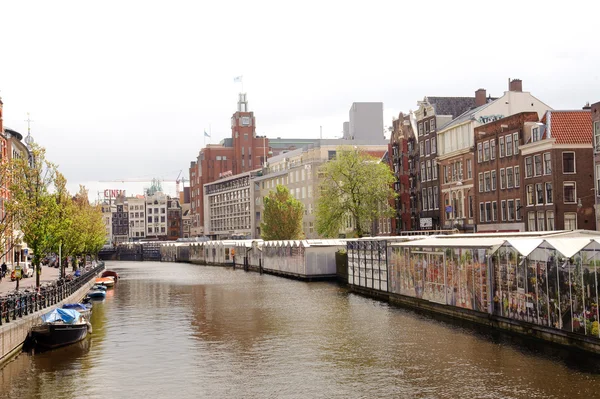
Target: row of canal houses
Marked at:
495, 164
543, 284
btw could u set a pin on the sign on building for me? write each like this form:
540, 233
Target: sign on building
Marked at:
426, 223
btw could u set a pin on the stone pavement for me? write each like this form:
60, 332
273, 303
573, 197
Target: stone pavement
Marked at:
49, 274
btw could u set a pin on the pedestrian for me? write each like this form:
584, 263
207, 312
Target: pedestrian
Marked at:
3, 271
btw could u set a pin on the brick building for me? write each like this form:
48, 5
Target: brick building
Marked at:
595, 115
174, 219
498, 194
399, 158
433, 112
558, 181
456, 151
243, 152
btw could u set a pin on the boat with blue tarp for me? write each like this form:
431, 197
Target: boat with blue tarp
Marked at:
60, 327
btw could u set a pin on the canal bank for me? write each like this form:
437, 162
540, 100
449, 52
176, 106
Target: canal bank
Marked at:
14, 329
176, 329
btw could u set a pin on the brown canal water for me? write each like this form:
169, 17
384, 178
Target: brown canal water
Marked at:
183, 331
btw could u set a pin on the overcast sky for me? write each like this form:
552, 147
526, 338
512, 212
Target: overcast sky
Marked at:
124, 89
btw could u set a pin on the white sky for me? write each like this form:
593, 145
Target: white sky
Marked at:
124, 89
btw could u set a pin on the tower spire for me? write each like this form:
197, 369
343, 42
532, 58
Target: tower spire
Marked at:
28, 139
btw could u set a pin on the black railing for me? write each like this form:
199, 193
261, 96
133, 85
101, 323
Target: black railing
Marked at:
22, 303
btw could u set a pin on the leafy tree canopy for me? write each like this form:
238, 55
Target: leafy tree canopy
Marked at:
355, 185
282, 216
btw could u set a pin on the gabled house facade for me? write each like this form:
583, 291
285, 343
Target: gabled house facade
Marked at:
456, 143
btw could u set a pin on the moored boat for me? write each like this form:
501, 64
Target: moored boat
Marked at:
60, 327
107, 281
85, 309
110, 273
98, 287
96, 294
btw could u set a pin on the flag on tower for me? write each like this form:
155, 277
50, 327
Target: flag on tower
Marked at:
206, 134
237, 79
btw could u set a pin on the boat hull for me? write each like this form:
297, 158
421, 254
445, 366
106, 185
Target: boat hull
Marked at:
50, 336
97, 294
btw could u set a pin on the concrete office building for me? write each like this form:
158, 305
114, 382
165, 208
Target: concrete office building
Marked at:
366, 123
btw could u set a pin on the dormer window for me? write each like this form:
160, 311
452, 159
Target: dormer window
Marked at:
535, 134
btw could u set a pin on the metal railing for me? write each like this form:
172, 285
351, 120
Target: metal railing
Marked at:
22, 303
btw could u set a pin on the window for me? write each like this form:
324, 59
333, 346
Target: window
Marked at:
434, 170
531, 221
570, 192
529, 194
528, 167
540, 221
550, 220
501, 143
509, 178
503, 210
426, 127
422, 149
470, 206
470, 170
242, 151
433, 145
424, 199
509, 146
488, 212
494, 211
516, 143
486, 151
486, 176
493, 148
535, 134
432, 124
423, 173
310, 191
568, 162
479, 152
518, 208
547, 164
597, 136
493, 180
570, 221
436, 204
429, 174
539, 191
481, 182
430, 198
598, 179
481, 214
517, 177
502, 179
149, 210
537, 161
548, 193
427, 147
511, 210
420, 129
445, 174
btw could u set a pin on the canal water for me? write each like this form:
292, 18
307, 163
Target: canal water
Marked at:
183, 331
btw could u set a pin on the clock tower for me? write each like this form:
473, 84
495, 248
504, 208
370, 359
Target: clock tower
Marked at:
248, 149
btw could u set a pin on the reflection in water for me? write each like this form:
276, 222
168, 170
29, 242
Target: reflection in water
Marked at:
176, 330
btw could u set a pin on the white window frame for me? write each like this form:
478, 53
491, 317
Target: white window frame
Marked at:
569, 183
574, 162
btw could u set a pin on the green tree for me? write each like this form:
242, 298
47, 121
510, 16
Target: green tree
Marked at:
33, 207
66, 234
282, 216
354, 185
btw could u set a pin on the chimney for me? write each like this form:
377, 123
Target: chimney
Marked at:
587, 106
480, 97
515, 85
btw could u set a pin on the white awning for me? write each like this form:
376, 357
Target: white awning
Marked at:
568, 246
525, 246
462, 242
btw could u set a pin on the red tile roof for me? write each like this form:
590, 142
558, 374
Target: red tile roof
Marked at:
570, 127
